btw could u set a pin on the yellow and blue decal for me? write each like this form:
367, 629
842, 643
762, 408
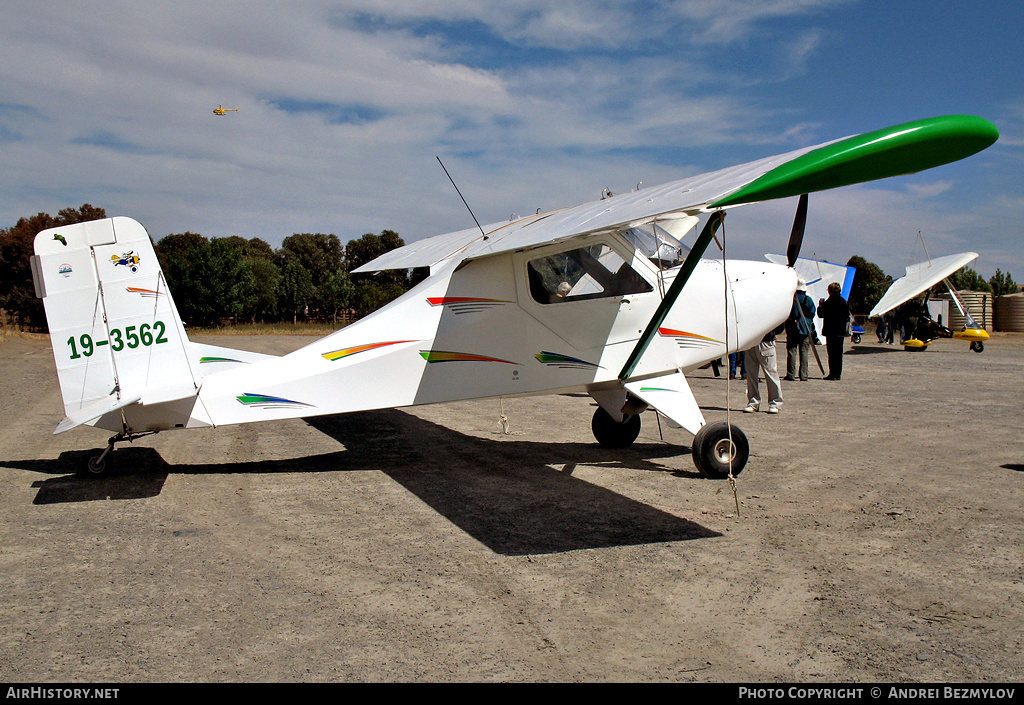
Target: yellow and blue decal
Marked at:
128, 259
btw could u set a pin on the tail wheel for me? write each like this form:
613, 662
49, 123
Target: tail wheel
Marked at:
715, 450
97, 464
612, 434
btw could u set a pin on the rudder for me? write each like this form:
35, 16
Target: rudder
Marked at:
116, 335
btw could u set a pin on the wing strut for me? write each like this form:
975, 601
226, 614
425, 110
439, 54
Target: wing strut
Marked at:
703, 240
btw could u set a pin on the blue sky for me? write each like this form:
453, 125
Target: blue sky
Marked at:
343, 107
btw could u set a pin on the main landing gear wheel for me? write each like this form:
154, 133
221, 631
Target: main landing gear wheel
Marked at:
977, 346
612, 434
714, 452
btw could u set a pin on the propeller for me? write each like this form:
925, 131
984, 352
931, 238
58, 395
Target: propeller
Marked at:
796, 237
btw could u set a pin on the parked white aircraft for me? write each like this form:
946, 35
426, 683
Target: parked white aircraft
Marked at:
600, 298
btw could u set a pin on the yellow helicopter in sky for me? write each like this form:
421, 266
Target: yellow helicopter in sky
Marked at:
221, 110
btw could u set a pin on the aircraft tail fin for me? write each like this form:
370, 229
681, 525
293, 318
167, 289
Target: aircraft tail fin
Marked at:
116, 334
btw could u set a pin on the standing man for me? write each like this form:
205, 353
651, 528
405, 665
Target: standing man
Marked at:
762, 357
835, 314
798, 333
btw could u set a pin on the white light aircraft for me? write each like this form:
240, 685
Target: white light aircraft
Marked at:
600, 298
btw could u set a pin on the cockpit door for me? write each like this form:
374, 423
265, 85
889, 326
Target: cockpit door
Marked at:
590, 293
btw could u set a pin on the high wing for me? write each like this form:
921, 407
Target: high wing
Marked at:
921, 277
678, 199
892, 151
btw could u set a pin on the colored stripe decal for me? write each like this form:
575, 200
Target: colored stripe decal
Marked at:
447, 356
355, 350
683, 334
443, 300
266, 401
550, 358
148, 293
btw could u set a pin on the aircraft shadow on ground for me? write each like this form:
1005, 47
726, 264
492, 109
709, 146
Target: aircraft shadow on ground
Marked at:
141, 472
517, 497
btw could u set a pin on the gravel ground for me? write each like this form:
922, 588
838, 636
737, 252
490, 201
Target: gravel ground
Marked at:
878, 537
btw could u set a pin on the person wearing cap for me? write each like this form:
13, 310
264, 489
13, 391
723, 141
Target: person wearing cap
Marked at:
799, 334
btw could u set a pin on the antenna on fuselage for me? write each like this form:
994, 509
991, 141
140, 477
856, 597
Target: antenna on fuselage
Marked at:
461, 196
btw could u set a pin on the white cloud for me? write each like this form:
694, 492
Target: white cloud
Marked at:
344, 105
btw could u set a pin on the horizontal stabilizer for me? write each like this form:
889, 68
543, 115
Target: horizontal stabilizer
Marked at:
671, 395
94, 411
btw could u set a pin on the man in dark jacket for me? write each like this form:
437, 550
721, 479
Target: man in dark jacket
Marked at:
835, 315
799, 329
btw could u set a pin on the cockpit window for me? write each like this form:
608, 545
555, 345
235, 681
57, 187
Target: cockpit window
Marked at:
592, 272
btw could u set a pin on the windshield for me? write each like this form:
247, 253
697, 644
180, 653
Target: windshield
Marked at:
657, 245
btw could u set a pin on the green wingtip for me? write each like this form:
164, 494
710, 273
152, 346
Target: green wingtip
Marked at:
891, 151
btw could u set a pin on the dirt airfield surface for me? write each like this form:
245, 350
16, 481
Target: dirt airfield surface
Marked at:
879, 538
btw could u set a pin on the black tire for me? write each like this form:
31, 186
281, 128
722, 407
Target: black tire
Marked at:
978, 346
711, 450
612, 434
95, 465
856, 339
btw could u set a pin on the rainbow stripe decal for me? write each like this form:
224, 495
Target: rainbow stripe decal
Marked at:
564, 361
265, 401
465, 304
145, 293
689, 340
355, 350
447, 356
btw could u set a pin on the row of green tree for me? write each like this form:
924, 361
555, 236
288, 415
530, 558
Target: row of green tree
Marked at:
308, 277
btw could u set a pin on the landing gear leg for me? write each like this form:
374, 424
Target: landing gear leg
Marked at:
99, 463
977, 346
